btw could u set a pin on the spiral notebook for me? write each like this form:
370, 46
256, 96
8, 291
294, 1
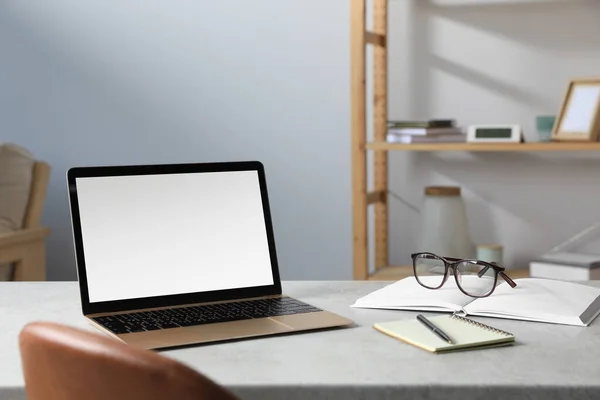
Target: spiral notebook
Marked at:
466, 334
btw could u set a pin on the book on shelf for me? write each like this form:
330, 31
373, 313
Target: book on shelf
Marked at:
426, 131
407, 139
432, 123
539, 300
566, 266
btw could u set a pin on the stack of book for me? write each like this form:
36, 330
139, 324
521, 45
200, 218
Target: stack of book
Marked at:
566, 266
432, 131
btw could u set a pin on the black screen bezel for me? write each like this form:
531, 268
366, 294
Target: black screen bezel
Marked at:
167, 300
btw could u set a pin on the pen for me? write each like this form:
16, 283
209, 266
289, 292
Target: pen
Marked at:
434, 328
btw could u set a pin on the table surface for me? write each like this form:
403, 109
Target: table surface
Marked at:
547, 362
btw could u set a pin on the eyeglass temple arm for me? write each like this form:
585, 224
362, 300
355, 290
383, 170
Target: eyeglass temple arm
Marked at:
501, 273
507, 279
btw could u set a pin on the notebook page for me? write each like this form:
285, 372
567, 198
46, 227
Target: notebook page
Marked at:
408, 294
542, 300
463, 334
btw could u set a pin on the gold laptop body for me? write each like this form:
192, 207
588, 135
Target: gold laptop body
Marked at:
167, 243
214, 332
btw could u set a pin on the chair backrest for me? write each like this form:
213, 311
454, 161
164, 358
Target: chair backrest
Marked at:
37, 195
66, 363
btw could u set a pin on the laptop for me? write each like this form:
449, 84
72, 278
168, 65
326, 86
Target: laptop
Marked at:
181, 254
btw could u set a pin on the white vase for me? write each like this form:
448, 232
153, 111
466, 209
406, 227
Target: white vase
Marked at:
444, 228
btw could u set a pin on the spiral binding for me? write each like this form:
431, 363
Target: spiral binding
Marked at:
481, 325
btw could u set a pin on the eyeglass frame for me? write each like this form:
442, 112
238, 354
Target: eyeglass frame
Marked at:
452, 263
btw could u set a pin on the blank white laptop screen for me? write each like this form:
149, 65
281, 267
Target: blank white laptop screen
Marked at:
156, 235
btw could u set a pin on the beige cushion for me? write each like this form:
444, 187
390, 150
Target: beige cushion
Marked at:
16, 170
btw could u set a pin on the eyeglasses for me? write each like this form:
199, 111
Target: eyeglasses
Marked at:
474, 278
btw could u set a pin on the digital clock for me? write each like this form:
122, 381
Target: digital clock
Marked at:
494, 133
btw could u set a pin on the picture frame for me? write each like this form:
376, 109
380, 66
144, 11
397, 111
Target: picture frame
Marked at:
579, 115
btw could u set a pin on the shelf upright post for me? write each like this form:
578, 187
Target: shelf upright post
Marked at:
358, 142
380, 105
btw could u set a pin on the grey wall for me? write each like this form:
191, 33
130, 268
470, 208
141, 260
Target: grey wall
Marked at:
109, 82
101, 82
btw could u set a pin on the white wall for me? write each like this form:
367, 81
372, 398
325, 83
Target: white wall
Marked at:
494, 62
109, 82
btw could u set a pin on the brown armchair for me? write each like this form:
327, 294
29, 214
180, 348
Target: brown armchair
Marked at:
60, 362
25, 248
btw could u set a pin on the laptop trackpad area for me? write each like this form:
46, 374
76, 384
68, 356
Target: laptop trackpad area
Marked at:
205, 333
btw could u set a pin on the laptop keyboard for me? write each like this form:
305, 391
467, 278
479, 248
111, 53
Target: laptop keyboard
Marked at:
204, 314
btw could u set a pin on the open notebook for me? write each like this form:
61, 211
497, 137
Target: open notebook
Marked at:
465, 334
541, 300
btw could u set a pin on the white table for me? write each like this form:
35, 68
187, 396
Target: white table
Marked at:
548, 362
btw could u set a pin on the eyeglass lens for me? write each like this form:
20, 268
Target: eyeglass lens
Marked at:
475, 279
429, 270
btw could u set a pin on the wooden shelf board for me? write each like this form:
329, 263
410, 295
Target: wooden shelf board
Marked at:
375, 39
395, 273
534, 146
391, 273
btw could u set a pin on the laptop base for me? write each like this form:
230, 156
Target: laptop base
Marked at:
199, 334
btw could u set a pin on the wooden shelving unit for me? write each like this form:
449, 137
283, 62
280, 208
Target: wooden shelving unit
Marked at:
377, 37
